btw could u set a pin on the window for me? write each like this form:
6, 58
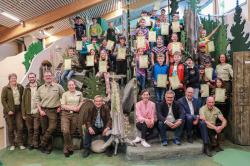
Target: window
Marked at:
225, 7
208, 9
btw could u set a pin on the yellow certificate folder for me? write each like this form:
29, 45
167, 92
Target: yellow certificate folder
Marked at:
209, 73
102, 66
205, 90
90, 60
210, 46
67, 64
143, 62
174, 81
164, 28
110, 45
162, 80
141, 42
121, 53
176, 26
152, 36
176, 47
78, 45
220, 94
90, 47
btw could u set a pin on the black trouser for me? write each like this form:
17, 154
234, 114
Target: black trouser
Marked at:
144, 129
207, 134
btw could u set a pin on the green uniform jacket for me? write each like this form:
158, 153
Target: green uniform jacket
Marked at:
26, 100
8, 99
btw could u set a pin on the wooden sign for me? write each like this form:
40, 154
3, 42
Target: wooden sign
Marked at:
67, 64
78, 45
110, 45
152, 36
90, 60
174, 81
143, 62
121, 53
90, 47
141, 42
220, 94
164, 28
205, 90
210, 46
176, 27
162, 80
102, 66
209, 73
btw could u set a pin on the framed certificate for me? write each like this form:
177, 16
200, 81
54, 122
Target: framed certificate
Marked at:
110, 45
147, 20
176, 47
90, 60
78, 45
209, 73
162, 80
205, 90
210, 46
102, 66
176, 26
121, 53
67, 64
141, 42
164, 28
220, 94
143, 62
174, 82
89, 47
152, 36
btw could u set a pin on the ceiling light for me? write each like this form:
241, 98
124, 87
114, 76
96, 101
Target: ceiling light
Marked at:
46, 33
10, 16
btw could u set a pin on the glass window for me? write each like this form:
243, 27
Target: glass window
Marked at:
225, 7
208, 9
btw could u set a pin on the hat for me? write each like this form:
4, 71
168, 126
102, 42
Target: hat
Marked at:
189, 57
201, 45
207, 61
202, 67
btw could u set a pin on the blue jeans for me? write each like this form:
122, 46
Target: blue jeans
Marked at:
159, 93
189, 123
142, 81
163, 131
66, 74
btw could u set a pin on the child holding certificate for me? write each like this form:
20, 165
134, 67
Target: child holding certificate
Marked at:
141, 41
71, 63
221, 96
121, 53
159, 49
176, 76
140, 72
205, 91
210, 73
176, 26
160, 71
173, 47
142, 27
91, 61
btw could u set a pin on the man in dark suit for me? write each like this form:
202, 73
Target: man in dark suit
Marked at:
190, 106
170, 117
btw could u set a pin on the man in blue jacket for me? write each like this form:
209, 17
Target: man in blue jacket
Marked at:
190, 106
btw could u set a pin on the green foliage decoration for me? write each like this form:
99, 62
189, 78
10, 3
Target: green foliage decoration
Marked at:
33, 50
174, 7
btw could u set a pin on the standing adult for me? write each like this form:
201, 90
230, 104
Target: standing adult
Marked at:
30, 112
11, 98
48, 104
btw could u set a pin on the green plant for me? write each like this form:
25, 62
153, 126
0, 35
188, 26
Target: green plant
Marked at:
33, 50
174, 7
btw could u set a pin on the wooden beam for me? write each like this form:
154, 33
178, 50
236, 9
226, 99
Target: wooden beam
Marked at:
46, 19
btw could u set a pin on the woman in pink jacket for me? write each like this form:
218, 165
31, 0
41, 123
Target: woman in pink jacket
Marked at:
145, 117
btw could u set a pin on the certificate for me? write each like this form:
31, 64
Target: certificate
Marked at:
157, 5
110, 45
162, 80
121, 53
78, 45
220, 94
210, 46
176, 47
143, 62
152, 36
102, 66
147, 20
164, 28
176, 26
90, 60
141, 42
205, 90
89, 47
209, 73
67, 64
174, 81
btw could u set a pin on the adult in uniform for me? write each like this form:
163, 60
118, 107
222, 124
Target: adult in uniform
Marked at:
71, 103
48, 104
11, 98
29, 111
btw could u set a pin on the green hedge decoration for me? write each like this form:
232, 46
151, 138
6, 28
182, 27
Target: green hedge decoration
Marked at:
33, 50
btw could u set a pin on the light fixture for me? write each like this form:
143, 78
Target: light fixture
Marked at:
10, 16
46, 33
22, 23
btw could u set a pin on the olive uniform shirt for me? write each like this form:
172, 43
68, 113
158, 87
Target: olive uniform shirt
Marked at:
224, 71
73, 99
210, 115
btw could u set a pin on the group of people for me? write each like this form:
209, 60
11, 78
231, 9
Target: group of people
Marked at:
190, 92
